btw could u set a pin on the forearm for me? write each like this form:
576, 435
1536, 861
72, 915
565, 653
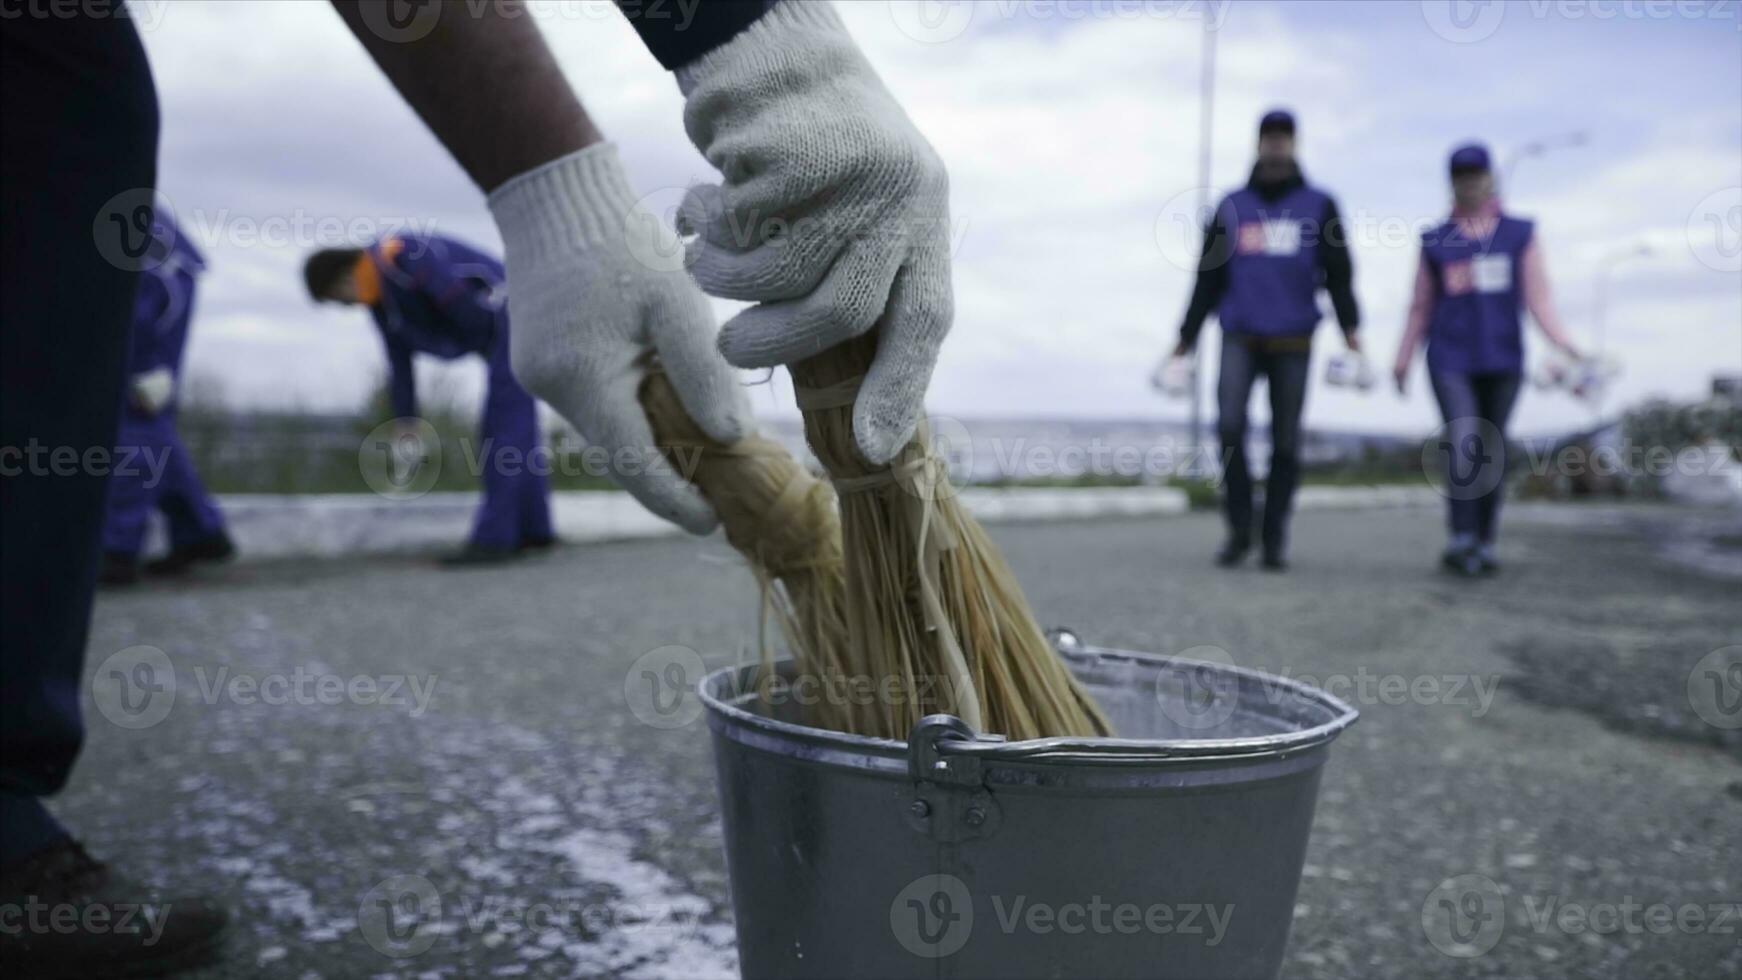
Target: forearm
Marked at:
486, 84
1420, 312
1339, 271
1539, 300
1212, 283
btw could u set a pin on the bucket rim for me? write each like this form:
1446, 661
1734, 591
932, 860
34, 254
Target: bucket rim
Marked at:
1059, 749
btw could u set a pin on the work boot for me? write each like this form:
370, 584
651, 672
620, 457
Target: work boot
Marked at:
216, 548
118, 569
1461, 561
1232, 553
69, 916
1487, 560
476, 555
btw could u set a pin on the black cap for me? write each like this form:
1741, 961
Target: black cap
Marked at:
1470, 158
1277, 121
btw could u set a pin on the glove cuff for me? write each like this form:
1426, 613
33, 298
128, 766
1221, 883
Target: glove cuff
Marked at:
773, 29
567, 205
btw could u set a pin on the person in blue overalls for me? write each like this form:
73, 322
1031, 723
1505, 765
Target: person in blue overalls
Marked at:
1267, 250
1478, 272
434, 295
153, 470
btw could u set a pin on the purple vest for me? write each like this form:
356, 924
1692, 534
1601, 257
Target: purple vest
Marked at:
1477, 324
1273, 266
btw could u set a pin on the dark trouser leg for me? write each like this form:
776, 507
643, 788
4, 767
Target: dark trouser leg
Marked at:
133, 491
1286, 375
1467, 452
515, 490
190, 511
78, 120
1233, 391
1496, 394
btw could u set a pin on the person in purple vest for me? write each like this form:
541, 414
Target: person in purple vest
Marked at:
153, 470
1478, 272
438, 296
1268, 250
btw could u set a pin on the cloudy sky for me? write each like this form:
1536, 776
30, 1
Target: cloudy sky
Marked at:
1071, 130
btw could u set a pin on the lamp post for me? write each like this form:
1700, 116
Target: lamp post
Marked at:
1536, 148
1206, 127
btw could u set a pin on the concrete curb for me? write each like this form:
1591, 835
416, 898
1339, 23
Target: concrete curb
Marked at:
339, 525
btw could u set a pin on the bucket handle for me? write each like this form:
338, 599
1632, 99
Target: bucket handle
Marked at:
927, 759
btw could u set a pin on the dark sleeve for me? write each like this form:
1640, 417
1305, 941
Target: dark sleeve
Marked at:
678, 32
401, 381
1339, 269
1212, 279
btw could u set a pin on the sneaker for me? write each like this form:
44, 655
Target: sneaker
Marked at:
70, 916
540, 544
216, 548
1274, 562
1232, 553
1488, 562
1461, 561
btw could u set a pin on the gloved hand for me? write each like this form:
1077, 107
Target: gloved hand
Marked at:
589, 300
152, 390
833, 215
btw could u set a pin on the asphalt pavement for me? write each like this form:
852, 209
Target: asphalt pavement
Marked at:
394, 770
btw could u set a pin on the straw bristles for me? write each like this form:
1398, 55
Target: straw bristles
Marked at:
930, 602
895, 608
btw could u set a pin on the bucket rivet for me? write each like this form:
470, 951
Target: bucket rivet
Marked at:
975, 816
920, 808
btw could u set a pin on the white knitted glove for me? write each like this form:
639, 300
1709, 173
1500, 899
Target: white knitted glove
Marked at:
589, 301
833, 214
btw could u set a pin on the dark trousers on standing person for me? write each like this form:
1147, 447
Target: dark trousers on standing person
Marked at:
78, 121
515, 512
1476, 408
1284, 363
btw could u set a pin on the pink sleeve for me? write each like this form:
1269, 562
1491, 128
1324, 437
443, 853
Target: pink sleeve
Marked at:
1421, 308
1537, 297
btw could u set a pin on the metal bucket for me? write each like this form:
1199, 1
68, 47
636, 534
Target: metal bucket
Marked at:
1172, 851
